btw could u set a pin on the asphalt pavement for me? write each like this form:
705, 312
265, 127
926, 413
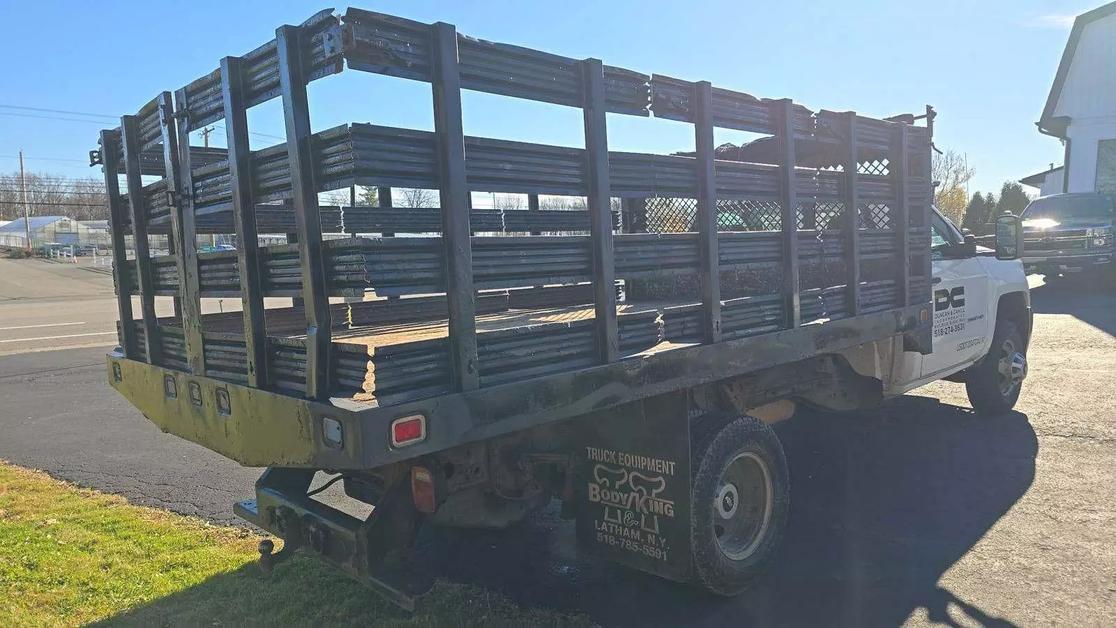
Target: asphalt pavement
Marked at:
917, 512
48, 305
51, 305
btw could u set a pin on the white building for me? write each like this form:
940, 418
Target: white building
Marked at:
1081, 108
1048, 181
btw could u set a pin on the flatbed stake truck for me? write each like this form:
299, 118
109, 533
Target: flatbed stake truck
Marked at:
623, 343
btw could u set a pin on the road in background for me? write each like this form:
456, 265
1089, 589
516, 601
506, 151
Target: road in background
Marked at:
917, 512
51, 305
47, 305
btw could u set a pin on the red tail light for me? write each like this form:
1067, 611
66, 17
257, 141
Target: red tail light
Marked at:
408, 430
422, 490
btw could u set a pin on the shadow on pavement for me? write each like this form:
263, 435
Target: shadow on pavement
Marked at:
1090, 298
883, 503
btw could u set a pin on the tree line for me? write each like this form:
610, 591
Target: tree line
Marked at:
981, 212
84, 199
951, 172
49, 195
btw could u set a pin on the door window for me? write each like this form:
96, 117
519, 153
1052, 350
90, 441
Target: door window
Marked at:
937, 238
942, 234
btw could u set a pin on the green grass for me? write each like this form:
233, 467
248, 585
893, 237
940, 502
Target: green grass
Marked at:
71, 556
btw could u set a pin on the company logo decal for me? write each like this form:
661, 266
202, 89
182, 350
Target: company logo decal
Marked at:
631, 491
949, 311
947, 298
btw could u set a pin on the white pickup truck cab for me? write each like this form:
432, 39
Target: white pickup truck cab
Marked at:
982, 322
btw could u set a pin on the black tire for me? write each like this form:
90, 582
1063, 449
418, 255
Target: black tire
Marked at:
991, 383
747, 449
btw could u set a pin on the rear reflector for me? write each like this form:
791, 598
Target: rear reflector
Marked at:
408, 430
422, 490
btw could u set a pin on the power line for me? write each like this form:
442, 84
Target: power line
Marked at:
54, 199
48, 194
53, 186
30, 115
59, 178
43, 117
89, 200
80, 161
57, 192
39, 178
79, 186
51, 178
115, 119
34, 204
76, 201
44, 110
268, 135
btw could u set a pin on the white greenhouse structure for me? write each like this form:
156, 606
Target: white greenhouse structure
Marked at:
46, 230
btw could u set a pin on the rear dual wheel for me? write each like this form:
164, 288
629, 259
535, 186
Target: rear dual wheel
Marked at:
740, 502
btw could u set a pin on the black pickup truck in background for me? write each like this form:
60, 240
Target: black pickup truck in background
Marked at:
1068, 233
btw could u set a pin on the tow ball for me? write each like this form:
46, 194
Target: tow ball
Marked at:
269, 557
287, 523
316, 538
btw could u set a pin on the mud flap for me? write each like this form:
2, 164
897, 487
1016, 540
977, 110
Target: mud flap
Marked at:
632, 486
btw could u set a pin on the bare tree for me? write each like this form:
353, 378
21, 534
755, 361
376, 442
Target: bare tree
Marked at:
509, 202
366, 196
87, 200
416, 197
563, 202
334, 197
951, 173
51, 195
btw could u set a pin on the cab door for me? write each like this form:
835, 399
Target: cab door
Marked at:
961, 292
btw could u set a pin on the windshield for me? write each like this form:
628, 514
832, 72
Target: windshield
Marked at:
1062, 207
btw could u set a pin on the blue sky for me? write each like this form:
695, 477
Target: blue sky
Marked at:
986, 66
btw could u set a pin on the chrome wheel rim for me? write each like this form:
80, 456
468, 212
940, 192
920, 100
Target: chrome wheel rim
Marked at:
742, 506
1011, 368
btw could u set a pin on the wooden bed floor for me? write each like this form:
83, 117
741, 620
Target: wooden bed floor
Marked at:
398, 333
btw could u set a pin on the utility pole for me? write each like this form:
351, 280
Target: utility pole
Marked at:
26, 201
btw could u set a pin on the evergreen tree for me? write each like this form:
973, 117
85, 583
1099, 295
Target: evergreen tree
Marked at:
989, 215
1012, 199
974, 212
368, 196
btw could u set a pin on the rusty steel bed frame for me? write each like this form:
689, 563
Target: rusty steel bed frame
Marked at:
234, 393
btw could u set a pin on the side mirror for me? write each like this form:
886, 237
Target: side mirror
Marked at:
967, 248
1009, 237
